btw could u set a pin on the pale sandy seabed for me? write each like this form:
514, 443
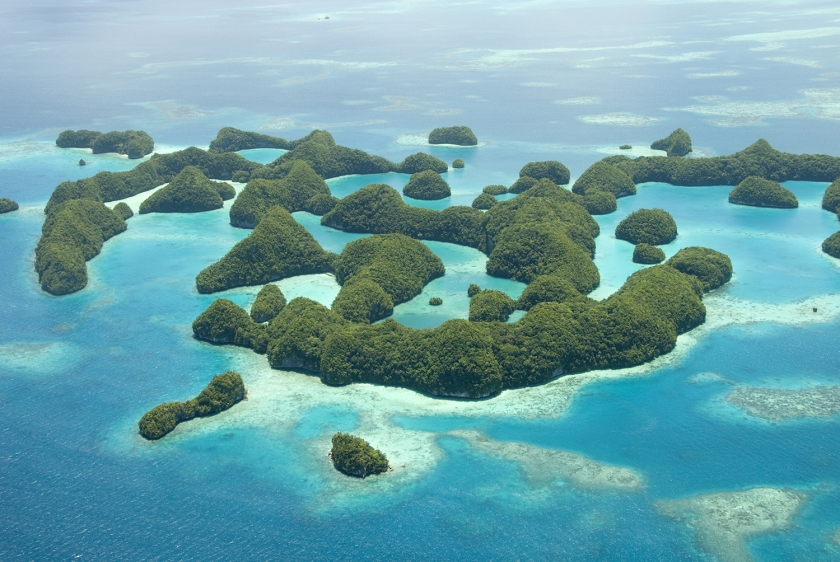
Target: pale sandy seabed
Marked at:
723, 522
279, 401
781, 404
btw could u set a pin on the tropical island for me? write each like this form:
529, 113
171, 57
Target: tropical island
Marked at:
649, 226
7, 205
222, 393
461, 136
677, 143
647, 254
544, 237
759, 192
831, 198
427, 186
188, 192
458, 163
355, 457
831, 245
134, 144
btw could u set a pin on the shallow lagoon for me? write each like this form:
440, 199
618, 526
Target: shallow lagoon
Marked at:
98, 359
77, 372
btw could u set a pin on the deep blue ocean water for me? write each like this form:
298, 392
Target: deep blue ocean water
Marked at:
541, 80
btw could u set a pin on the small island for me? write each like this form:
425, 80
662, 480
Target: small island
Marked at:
831, 245
473, 290
222, 393
420, 162
625, 147
7, 205
602, 176
458, 163
495, 189
123, 210
230, 139
677, 143
435, 301
427, 186
268, 304
355, 457
647, 254
134, 144
831, 198
550, 169
188, 192
461, 136
651, 226
600, 202
484, 202
759, 192
491, 306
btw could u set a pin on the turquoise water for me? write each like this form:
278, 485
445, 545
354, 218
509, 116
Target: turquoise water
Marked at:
535, 81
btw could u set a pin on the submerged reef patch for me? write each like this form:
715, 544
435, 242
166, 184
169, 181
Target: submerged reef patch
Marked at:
781, 404
723, 522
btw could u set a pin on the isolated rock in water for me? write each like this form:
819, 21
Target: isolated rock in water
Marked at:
82, 162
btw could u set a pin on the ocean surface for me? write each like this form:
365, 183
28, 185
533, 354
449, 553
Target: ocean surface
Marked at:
662, 462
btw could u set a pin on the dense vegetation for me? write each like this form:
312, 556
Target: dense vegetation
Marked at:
646, 254
123, 210
300, 190
600, 202
462, 136
548, 288
524, 183
188, 192
232, 140
224, 322
268, 304
458, 163
420, 162
354, 456
491, 306
483, 202
603, 176
473, 290
495, 189
831, 245
831, 198
759, 192
625, 147
279, 247
134, 144
379, 272
677, 143
328, 159
7, 205
297, 335
159, 169
550, 169
760, 159
426, 185
222, 393
435, 301
379, 209
651, 226
72, 234
711, 268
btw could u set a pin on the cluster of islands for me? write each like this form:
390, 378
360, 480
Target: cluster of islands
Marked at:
544, 237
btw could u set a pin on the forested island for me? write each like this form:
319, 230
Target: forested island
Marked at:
354, 456
189, 192
222, 393
7, 205
759, 192
427, 185
677, 143
544, 237
134, 144
461, 136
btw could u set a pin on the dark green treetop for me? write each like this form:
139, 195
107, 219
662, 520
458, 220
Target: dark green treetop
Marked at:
354, 456
550, 169
831, 245
462, 136
647, 254
831, 198
458, 163
759, 192
483, 202
7, 205
602, 176
427, 186
651, 226
420, 162
221, 394
495, 189
268, 304
677, 143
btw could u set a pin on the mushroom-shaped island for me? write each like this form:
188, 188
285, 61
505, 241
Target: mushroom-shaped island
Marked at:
549, 169
759, 192
7, 205
355, 457
831, 245
462, 136
651, 226
427, 186
646, 254
677, 143
189, 192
